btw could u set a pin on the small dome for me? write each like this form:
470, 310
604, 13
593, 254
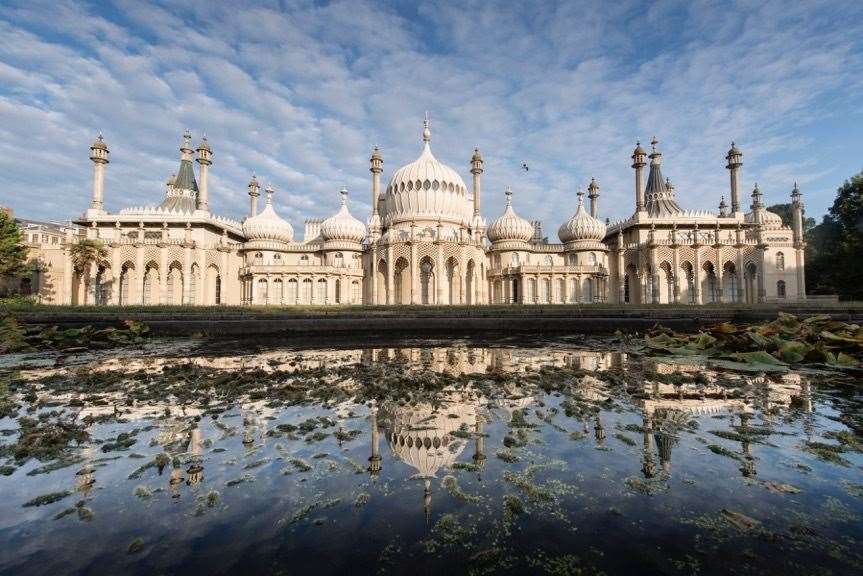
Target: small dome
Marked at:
770, 220
582, 226
342, 226
268, 225
639, 151
510, 226
204, 145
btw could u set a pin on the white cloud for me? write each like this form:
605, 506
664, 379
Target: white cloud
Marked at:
300, 92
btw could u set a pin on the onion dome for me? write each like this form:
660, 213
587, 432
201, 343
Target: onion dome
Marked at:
426, 189
267, 225
770, 220
510, 226
342, 226
204, 145
582, 226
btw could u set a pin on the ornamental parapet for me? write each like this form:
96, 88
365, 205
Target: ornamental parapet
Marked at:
595, 269
302, 270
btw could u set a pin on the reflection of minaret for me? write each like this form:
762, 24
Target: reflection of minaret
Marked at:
427, 500
85, 477
748, 469
599, 433
648, 466
248, 428
479, 451
375, 458
195, 471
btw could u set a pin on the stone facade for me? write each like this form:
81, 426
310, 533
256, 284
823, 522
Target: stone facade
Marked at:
426, 242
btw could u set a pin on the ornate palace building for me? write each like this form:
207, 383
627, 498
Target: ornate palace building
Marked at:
427, 242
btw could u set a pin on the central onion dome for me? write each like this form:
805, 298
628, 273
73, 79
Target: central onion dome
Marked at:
268, 225
582, 226
426, 189
342, 226
510, 227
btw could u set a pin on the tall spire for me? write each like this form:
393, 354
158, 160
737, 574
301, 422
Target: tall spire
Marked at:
659, 194
183, 195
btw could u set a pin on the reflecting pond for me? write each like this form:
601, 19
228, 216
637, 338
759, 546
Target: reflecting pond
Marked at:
558, 457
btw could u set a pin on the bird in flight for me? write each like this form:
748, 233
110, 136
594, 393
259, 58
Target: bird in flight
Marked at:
525, 167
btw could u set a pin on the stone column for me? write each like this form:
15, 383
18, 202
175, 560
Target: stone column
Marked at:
139, 272
163, 275
740, 275
415, 273
675, 274
373, 285
223, 274
202, 281
696, 273
187, 274
391, 297
564, 294
578, 295
116, 271
439, 274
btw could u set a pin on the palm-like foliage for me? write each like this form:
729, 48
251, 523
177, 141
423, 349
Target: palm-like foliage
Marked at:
88, 251
13, 252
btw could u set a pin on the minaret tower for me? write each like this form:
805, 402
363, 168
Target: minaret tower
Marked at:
799, 240
99, 155
205, 155
254, 192
735, 161
377, 166
639, 161
476, 163
593, 195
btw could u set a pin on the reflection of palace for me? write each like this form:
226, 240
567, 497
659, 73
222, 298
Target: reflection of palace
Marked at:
426, 242
667, 408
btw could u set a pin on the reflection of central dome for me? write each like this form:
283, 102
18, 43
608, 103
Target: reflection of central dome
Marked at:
427, 189
421, 435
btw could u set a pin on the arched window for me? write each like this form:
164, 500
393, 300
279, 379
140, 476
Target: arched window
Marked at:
306, 294
355, 292
591, 259
531, 291
547, 261
292, 291
261, 291
259, 258
780, 289
339, 260
338, 290
321, 295
780, 261
514, 260
218, 291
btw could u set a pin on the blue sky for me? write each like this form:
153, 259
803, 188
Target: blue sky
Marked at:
299, 92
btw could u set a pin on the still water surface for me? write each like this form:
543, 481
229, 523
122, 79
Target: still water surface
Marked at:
464, 458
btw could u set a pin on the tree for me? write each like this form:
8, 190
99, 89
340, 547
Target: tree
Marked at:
13, 252
88, 251
835, 246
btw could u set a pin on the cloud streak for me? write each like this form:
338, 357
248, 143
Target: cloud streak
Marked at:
300, 92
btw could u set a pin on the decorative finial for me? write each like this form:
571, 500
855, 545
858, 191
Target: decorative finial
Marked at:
344, 194
269, 191
426, 129
653, 143
580, 194
508, 193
